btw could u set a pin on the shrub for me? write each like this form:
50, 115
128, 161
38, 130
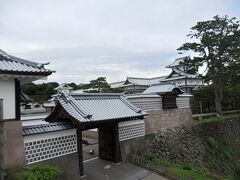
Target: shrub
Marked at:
211, 142
36, 172
237, 167
187, 167
149, 156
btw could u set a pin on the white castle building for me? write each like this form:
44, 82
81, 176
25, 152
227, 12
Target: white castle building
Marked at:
182, 76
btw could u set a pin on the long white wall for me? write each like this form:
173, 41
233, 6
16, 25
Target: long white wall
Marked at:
154, 102
7, 93
40, 147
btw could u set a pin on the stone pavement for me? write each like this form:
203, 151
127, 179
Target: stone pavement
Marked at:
94, 170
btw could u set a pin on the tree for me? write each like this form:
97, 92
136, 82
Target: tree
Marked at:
40, 92
217, 45
99, 85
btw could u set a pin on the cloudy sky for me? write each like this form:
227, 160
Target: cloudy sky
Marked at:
84, 39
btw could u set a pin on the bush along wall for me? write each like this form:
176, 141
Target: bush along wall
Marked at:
35, 172
212, 147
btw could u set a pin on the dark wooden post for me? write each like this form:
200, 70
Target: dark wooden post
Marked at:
1, 142
116, 148
186, 84
80, 151
17, 98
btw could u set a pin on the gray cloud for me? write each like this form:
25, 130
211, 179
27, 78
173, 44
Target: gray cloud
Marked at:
87, 39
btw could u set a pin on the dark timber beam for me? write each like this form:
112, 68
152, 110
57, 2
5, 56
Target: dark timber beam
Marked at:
80, 151
17, 98
116, 144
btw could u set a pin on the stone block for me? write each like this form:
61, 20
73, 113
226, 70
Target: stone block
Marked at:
14, 153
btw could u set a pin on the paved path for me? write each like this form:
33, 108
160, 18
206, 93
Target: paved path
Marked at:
94, 170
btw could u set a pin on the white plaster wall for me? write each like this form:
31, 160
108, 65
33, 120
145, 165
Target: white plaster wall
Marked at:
180, 82
7, 93
194, 82
40, 147
131, 129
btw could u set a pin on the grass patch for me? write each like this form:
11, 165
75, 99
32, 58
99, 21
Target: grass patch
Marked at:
194, 174
221, 156
208, 119
182, 170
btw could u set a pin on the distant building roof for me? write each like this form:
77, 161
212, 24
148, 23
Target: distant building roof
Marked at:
13, 65
177, 62
77, 91
33, 117
49, 105
24, 98
180, 75
184, 73
84, 108
45, 128
137, 81
161, 89
143, 81
64, 86
156, 80
116, 84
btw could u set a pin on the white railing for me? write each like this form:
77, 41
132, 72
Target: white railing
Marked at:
214, 113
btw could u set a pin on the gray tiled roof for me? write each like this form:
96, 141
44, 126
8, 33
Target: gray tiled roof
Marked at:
98, 107
12, 64
160, 89
143, 81
177, 62
184, 73
44, 128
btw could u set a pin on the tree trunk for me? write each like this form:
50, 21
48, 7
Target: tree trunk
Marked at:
218, 97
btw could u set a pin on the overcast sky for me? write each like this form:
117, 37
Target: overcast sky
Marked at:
113, 38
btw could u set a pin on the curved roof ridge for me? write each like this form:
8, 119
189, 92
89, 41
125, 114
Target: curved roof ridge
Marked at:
97, 108
20, 60
13, 65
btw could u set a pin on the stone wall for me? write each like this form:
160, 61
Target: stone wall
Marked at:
213, 146
132, 146
156, 121
90, 134
68, 164
159, 120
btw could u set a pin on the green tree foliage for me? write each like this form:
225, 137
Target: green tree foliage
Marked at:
205, 95
40, 92
100, 85
217, 45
